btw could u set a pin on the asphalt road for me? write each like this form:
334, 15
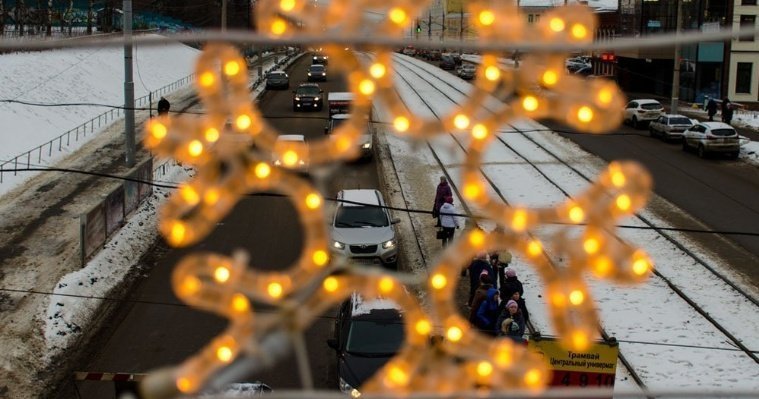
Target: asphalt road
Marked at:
144, 336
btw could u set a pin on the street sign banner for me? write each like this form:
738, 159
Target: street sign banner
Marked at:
595, 368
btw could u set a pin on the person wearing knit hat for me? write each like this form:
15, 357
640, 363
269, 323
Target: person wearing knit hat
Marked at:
511, 322
511, 285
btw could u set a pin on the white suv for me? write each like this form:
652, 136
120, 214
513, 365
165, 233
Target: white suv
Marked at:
362, 228
638, 112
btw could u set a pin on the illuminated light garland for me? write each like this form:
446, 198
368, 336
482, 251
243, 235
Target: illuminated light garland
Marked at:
493, 363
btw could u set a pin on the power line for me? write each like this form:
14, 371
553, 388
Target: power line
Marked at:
170, 185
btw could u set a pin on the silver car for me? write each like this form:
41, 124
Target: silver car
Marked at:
669, 126
712, 137
363, 230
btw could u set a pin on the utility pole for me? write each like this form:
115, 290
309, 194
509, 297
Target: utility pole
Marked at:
128, 85
429, 25
676, 61
223, 15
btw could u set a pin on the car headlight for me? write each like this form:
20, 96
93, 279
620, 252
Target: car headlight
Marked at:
366, 146
346, 388
324, 73
388, 244
309, 74
338, 245
316, 98
314, 57
297, 98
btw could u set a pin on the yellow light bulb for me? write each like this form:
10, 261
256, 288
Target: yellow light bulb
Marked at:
286, 5
504, 355
366, 87
221, 274
580, 340
158, 130
601, 266
423, 327
472, 190
484, 369
576, 214
576, 297
320, 257
331, 284
479, 131
618, 179
231, 68
550, 77
207, 79
532, 377
290, 158
591, 245
461, 121
558, 299
211, 196
585, 114
530, 103
492, 73
476, 238
579, 31
243, 122
224, 354
519, 220
438, 281
190, 286
534, 248
313, 201
274, 290
556, 24
397, 376
641, 264
386, 284
189, 195
623, 202
195, 148
185, 384
178, 232
278, 26
487, 17
240, 303
212, 135
377, 70
605, 96
262, 170
454, 334
401, 124
397, 15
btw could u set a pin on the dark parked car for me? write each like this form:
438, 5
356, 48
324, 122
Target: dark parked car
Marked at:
308, 96
434, 55
277, 80
447, 62
317, 72
367, 335
319, 58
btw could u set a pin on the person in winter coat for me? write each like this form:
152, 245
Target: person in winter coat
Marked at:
479, 296
727, 111
499, 262
517, 297
511, 322
478, 264
448, 220
443, 191
711, 109
487, 312
163, 106
511, 285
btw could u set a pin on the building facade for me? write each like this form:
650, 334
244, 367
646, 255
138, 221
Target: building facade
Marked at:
743, 81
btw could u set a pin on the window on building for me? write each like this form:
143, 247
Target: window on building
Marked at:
748, 2
530, 18
743, 77
748, 22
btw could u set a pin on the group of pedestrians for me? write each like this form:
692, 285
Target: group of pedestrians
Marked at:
726, 109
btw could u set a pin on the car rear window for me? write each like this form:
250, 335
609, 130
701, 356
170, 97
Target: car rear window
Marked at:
360, 216
276, 75
680, 121
375, 337
723, 132
651, 106
317, 68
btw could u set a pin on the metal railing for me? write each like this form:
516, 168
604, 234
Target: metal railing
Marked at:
90, 127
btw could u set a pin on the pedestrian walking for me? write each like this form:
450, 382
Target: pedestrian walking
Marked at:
476, 267
487, 312
479, 295
448, 221
511, 322
711, 109
441, 193
727, 111
163, 106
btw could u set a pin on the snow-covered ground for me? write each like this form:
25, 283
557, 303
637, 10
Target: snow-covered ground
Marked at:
646, 314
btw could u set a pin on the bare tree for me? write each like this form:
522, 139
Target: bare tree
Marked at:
2, 17
89, 16
66, 16
49, 18
20, 16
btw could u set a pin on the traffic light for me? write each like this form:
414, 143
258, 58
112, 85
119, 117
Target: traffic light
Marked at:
608, 57
418, 28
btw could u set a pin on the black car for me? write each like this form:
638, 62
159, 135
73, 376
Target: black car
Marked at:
319, 58
447, 62
317, 72
367, 335
277, 80
308, 96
